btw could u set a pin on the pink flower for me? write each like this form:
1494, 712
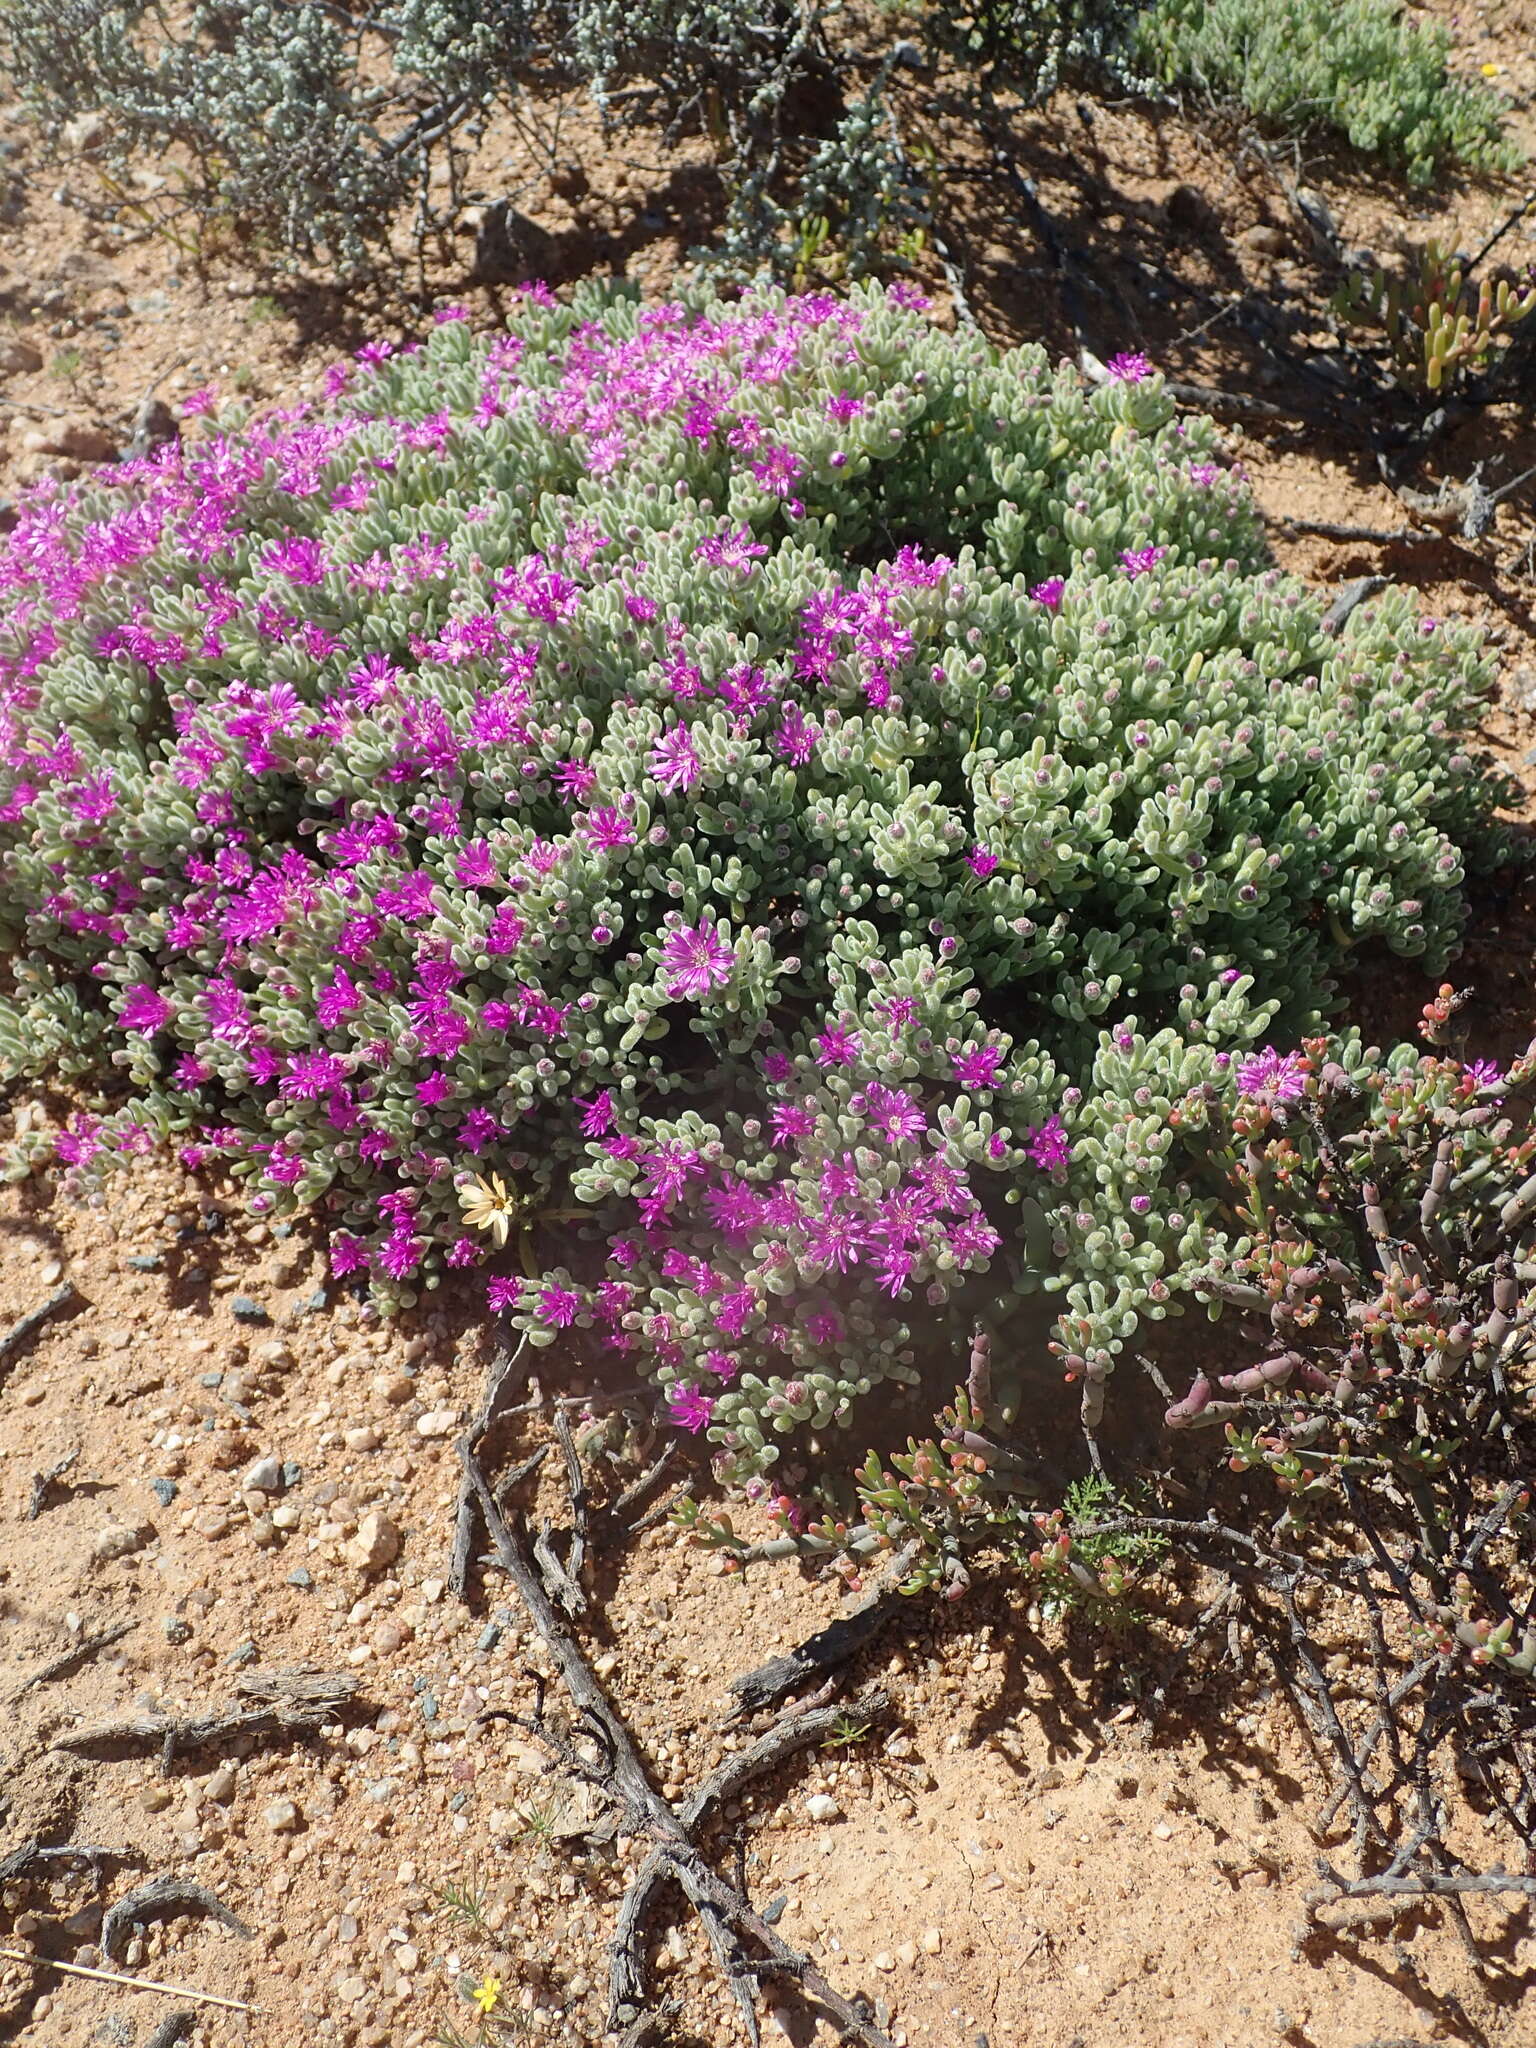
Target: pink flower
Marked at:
1047, 1145
502, 1292
695, 960
1050, 592
144, 1009
690, 1409
597, 1115
1270, 1077
673, 763
976, 1067
1139, 561
892, 1112
1130, 368
836, 1047
982, 863
556, 1307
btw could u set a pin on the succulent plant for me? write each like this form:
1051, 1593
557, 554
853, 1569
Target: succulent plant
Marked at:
744, 819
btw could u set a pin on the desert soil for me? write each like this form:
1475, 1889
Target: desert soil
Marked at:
263, 1476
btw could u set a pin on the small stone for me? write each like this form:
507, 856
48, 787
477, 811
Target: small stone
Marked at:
54, 1269
906, 1954
212, 1523
821, 1806
1163, 1832
274, 1356
286, 1516
363, 1439
376, 1544
408, 1957
351, 1990
437, 1422
282, 1817
245, 1310
884, 1961
265, 1476
395, 1387
389, 1637
1266, 240
86, 132
301, 1577
155, 1798
264, 1532
19, 358
930, 1941
120, 1539
176, 1630
219, 1785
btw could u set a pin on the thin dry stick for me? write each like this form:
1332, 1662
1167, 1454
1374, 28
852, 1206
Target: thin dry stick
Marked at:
647, 1813
19, 1955
33, 1320
68, 1660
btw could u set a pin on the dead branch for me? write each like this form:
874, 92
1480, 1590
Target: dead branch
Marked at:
1409, 1888
44, 1482
1349, 600
283, 1703
466, 1523
163, 1898
39, 1857
71, 1659
29, 1324
172, 2030
625, 1780
809, 1662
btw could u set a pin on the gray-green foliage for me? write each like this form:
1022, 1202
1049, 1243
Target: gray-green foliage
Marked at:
1356, 68
374, 776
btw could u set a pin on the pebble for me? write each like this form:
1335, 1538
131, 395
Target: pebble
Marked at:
282, 1817
155, 1798
395, 1387
219, 1785
301, 1578
274, 1356
120, 1539
389, 1637
376, 1544
264, 1532
930, 1941
351, 1990
213, 1523
822, 1806
437, 1422
246, 1310
265, 1476
363, 1439
176, 1630
884, 1960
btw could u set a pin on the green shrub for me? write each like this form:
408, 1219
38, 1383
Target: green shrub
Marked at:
1353, 67
803, 791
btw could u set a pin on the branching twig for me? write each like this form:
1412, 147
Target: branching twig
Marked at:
71, 1659
26, 1326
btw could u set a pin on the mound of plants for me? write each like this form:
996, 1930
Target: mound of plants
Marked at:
745, 820
1359, 70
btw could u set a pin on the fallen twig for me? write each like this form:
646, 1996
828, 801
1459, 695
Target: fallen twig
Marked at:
811, 1660
1349, 601
284, 1703
20, 1955
71, 1659
163, 1898
172, 2030
27, 1325
30, 1856
466, 1521
1426, 1885
624, 1779
44, 1482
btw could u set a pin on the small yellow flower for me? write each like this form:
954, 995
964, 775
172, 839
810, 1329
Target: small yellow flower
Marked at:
1492, 70
487, 1994
488, 1206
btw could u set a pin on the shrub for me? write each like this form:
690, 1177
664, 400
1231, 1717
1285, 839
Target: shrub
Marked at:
1357, 68
805, 791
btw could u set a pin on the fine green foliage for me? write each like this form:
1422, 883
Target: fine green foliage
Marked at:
1355, 68
745, 816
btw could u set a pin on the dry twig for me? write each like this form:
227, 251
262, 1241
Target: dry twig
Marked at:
163, 1898
28, 1325
21, 1955
71, 1659
282, 1703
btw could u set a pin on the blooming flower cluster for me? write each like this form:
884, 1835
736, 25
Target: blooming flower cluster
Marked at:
795, 787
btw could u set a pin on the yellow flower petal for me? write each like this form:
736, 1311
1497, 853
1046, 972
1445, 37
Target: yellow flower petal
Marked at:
487, 1993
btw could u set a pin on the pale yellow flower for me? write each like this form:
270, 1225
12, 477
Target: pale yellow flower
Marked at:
1493, 70
487, 1994
488, 1206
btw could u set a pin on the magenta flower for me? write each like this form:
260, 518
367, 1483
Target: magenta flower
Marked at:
1140, 561
1130, 368
977, 1066
1050, 592
597, 1115
144, 1009
1269, 1077
502, 1292
1483, 1073
836, 1047
556, 1307
792, 1120
982, 863
892, 1112
689, 1409
694, 960
673, 763
1047, 1145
